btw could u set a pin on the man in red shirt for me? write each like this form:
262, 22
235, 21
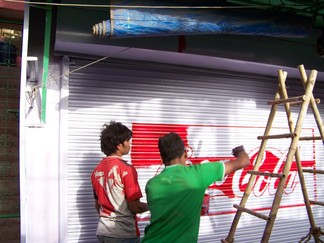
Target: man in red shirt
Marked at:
116, 189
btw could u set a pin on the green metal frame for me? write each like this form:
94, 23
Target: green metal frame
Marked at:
47, 43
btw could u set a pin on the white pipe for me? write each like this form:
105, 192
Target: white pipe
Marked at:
22, 130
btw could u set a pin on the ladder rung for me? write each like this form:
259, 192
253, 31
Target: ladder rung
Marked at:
314, 171
259, 215
254, 172
295, 103
317, 203
286, 135
292, 99
311, 138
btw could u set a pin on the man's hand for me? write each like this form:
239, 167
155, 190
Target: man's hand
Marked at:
137, 206
241, 160
237, 150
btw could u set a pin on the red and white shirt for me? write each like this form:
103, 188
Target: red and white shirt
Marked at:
115, 183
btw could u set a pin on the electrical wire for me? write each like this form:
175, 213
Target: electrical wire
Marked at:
134, 6
31, 95
82, 67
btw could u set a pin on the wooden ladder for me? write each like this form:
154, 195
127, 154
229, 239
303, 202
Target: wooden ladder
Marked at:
281, 97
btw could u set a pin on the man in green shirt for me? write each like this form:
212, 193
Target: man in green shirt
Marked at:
175, 195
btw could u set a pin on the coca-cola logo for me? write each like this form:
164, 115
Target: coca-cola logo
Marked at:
145, 154
273, 161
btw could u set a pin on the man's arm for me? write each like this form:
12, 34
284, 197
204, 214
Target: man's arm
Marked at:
137, 207
242, 160
97, 206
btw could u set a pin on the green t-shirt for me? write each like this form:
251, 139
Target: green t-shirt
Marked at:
175, 199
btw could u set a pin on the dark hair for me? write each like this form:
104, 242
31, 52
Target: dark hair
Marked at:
171, 147
113, 134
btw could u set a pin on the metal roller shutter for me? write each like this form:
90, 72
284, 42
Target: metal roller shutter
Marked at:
214, 111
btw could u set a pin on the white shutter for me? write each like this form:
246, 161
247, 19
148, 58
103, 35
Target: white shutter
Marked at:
219, 109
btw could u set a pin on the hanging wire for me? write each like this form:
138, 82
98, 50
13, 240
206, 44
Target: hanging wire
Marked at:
82, 67
134, 6
31, 95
